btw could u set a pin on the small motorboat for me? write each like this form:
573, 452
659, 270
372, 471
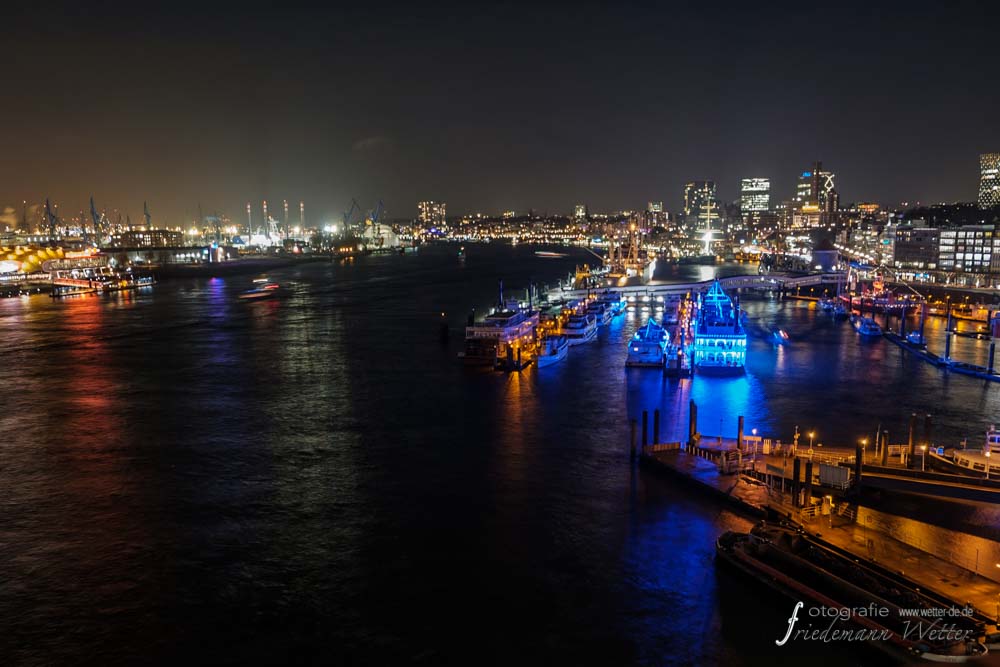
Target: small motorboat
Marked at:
867, 327
780, 337
262, 289
553, 351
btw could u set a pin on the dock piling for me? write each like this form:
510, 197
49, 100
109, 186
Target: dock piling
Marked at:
911, 444
807, 496
692, 421
739, 433
656, 426
993, 346
796, 473
859, 457
645, 429
631, 451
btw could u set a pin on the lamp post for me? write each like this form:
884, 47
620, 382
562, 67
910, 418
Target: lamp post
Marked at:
987, 453
754, 432
864, 449
923, 458
812, 434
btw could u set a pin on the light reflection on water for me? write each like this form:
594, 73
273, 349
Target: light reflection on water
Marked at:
318, 472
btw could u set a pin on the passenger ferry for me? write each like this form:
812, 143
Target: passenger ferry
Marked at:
503, 338
580, 329
720, 339
867, 327
647, 347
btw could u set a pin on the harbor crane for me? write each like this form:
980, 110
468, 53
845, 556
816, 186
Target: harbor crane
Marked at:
51, 218
348, 215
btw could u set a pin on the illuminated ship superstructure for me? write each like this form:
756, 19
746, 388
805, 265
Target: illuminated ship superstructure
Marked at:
720, 339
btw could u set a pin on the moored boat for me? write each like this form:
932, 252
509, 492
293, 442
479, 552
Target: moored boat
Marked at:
553, 351
720, 339
866, 327
580, 329
647, 346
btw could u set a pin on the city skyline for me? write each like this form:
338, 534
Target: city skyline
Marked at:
505, 110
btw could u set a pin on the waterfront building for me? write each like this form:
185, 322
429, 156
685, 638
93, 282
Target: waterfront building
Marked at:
916, 247
720, 340
989, 180
149, 238
967, 248
432, 214
755, 195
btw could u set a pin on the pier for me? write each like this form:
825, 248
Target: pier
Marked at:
782, 282
820, 491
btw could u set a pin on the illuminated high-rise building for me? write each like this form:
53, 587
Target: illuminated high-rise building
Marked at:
755, 195
989, 180
580, 211
432, 214
816, 188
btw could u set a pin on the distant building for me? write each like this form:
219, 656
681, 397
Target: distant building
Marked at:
580, 211
989, 180
817, 187
916, 247
654, 215
432, 214
967, 248
755, 195
150, 238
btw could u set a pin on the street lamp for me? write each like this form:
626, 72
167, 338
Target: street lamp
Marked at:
864, 449
987, 453
923, 458
754, 432
811, 435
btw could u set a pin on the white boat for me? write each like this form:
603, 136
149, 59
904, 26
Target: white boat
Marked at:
647, 346
867, 327
553, 351
600, 312
580, 329
613, 301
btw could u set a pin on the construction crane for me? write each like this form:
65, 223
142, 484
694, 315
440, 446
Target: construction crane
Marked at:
350, 214
97, 219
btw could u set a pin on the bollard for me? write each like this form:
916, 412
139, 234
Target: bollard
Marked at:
739, 433
631, 449
656, 426
645, 429
807, 496
796, 470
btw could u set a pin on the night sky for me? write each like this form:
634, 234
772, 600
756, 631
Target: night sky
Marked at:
510, 107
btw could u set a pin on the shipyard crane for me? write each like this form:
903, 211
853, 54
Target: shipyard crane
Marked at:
348, 215
51, 218
145, 212
97, 218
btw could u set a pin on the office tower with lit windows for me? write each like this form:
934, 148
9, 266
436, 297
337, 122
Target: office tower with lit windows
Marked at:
580, 211
755, 195
816, 189
989, 180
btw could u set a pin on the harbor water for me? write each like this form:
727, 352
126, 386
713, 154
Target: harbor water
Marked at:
316, 478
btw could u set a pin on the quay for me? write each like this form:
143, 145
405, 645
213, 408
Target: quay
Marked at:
779, 282
820, 491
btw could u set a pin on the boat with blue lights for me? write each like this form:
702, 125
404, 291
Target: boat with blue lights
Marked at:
553, 350
866, 327
720, 338
647, 347
614, 301
601, 313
